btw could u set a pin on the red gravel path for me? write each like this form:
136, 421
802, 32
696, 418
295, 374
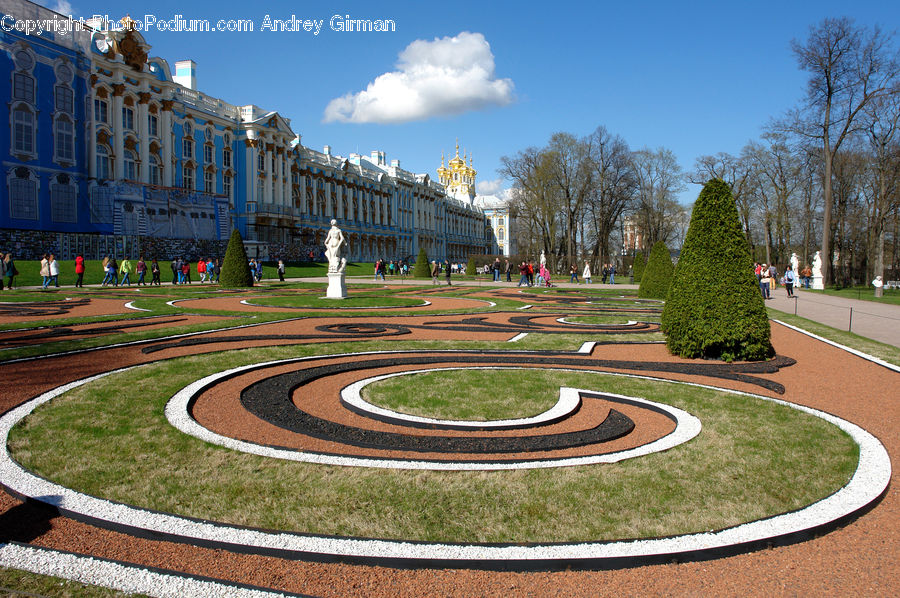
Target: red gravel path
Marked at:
859, 559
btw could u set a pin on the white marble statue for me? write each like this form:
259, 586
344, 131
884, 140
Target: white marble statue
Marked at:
817, 280
333, 242
795, 264
543, 259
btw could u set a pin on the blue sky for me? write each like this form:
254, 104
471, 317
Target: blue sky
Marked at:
694, 77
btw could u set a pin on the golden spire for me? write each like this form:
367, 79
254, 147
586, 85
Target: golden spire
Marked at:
442, 158
457, 147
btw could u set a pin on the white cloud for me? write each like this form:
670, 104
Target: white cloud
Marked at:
442, 77
490, 187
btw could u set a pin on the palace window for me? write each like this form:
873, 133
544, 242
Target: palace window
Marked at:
261, 161
226, 157
154, 170
208, 154
209, 181
187, 177
103, 162
23, 87
65, 140
260, 189
128, 118
187, 149
132, 171
101, 111
23, 130
188, 129
23, 195
154, 125
226, 185
63, 200
65, 99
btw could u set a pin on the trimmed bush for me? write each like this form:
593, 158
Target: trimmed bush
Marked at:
235, 266
639, 265
714, 308
658, 275
472, 267
422, 269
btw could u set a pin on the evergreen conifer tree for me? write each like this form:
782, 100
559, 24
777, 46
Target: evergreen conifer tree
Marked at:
639, 265
658, 275
471, 267
714, 308
422, 269
235, 266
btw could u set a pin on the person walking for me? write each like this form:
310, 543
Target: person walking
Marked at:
218, 269
281, 270
201, 270
45, 271
612, 274
2, 270
176, 268
79, 271
523, 275
186, 272
155, 272
435, 270
789, 281
447, 272
54, 270
764, 281
508, 271
11, 271
573, 274
587, 272
107, 274
141, 269
125, 269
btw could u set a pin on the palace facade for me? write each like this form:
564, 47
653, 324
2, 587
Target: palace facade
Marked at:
111, 151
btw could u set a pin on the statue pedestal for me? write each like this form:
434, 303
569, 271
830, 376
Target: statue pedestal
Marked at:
337, 288
817, 283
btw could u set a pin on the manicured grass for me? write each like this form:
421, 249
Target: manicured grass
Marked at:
16, 584
437, 394
864, 293
352, 301
753, 459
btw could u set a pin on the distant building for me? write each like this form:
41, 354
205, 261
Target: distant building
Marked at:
111, 152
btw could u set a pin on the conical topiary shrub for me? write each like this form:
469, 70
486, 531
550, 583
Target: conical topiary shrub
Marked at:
714, 308
472, 266
658, 275
638, 267
422, 268
235, 266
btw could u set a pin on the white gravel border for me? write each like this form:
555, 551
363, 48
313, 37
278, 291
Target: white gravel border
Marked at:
124, 578
518, 337
423, 304
569, 400
865, 356
130, 305
867, 484
563, 320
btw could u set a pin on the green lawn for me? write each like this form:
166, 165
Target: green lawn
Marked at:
753, 459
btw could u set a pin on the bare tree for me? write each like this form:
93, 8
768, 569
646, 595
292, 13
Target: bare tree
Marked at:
849, 68
882, 117
569, 168
613, 191
534, 197
659, 180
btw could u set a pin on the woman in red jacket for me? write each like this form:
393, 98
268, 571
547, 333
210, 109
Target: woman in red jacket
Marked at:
79, 270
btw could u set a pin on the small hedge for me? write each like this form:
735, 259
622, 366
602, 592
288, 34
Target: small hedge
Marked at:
714, 308
658, 275
235, 267
472, 267
639, 265
422, 269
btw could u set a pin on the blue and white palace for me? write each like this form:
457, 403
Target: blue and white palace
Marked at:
110, 151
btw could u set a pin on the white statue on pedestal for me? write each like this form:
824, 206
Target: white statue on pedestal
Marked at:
337, 287
817, 282
333, 242
543, 259
795, 264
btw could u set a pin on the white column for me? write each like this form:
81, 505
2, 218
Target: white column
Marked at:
144, 138
250, 166
118, 138
270, 175
166, 134
92, 142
